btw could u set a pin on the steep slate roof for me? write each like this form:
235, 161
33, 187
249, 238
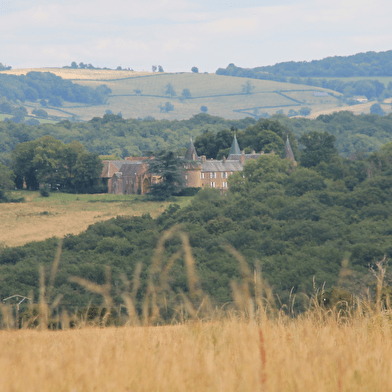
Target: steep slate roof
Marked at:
191, 150
131, 169
288, 152
235, 148
221, 166
108, 167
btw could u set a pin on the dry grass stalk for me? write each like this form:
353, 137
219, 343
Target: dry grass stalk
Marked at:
43, 307
8, 321
380, 276
55, 267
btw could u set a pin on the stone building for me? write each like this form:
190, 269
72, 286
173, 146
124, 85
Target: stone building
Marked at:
131, 176
128, 177
202, 173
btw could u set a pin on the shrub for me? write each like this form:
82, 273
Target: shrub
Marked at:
45, 191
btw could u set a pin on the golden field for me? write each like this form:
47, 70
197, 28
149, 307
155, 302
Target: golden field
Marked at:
306, 354
40, 218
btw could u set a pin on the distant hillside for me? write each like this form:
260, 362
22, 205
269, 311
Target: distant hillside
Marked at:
140, 95
362, 75
368, 64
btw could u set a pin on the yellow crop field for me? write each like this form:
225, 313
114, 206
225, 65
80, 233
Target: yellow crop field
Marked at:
40, 218
76, 74
307, 354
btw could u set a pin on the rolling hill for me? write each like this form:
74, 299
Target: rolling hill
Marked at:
142, 94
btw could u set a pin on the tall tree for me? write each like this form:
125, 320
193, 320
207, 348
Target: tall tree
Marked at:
170, 170
49, 161
169, 90
319, 147
6, 181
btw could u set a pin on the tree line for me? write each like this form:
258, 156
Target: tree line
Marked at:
49, 89
117, 137
65, 167
361, 64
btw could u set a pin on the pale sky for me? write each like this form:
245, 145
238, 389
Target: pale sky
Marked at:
179, 34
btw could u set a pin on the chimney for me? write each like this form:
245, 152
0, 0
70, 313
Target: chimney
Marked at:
243, 157
253, 152
224, 159
262, 152
203, 159
193, 156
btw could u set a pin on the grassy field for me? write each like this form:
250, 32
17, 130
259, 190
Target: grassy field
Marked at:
222, 95
60, 214
41, 120
307, 354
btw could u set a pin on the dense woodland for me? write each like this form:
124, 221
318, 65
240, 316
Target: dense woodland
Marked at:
49, 89
113, 135
327, 219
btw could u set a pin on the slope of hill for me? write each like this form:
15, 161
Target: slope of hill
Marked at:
138, 95
360, 64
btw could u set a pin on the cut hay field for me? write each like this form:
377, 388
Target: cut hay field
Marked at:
222, 95
40, 218
285, 355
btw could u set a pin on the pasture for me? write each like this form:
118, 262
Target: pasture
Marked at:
40, 218
222, 95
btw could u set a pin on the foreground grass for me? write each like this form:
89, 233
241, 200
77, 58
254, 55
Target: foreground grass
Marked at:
282, 355
40, 218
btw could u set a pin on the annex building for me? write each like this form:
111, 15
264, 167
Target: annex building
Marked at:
130, 176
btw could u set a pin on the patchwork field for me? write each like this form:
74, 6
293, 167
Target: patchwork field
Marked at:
141, 94
283, 355
40, 218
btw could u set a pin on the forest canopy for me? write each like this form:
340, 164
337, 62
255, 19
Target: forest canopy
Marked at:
115, 136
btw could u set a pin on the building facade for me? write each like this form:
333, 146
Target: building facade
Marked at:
128, 177
131, 176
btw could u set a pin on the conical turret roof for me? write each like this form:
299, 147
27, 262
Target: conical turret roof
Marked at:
235, 148
191, 153
288, 152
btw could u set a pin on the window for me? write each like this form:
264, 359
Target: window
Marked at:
224, 184
212, 175
212, 185
186, 176
224, 174
202, 176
